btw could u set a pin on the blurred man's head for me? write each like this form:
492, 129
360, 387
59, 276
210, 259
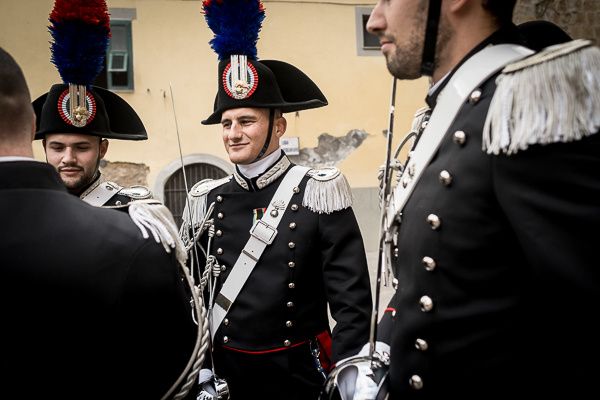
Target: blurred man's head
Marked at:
17, 121
401, 27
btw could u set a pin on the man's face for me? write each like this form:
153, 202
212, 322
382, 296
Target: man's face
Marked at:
245, 132
75, 157
400, 26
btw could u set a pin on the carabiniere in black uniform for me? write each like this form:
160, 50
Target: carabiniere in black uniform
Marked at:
280, 316
274, 341
496, 267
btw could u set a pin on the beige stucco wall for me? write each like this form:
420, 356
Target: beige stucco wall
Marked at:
170, 47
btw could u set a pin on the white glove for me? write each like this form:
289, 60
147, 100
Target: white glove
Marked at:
207, 390
380, 348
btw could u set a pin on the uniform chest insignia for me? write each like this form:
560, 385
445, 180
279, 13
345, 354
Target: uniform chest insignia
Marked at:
278, 205
258, 214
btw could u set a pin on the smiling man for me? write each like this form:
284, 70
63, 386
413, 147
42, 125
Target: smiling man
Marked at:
305, 251
271, 287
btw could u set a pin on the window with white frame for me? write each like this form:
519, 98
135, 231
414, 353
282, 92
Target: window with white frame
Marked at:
118, 65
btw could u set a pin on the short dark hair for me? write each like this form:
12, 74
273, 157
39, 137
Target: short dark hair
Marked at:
16, 111
501, 9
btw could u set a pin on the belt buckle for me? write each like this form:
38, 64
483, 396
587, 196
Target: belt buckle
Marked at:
263, 232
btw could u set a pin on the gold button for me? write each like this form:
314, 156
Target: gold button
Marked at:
445, 178
219, 199
294, 207
226, 321
291, 285
289, 324
429, 263
426, 303
292, 225
291, 245
291, 264
421, 344
434, 221
225, 339
220, 215
296, 189
290, 304
287, 343
274, 213
459, 137
416, 382
219, 251
219, 233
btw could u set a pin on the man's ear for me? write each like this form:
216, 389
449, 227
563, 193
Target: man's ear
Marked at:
280, 126
103, 147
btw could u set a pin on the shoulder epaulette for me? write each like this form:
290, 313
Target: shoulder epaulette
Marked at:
552, 96
204, 187
327, 191
136, 192
195, 207
154, 219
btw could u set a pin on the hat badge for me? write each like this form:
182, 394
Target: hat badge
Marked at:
240, 78
76, 107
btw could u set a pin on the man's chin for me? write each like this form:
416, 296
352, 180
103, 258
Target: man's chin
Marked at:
241, 159
74, 186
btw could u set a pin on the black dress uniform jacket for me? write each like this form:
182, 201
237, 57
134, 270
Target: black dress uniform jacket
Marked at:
90, 309
498, 269
263, 347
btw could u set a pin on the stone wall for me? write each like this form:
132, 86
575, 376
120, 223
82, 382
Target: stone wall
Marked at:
579, 18
125, 173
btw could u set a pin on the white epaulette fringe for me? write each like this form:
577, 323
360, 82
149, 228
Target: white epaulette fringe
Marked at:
154, 218
327, 191
195, 206
552, 96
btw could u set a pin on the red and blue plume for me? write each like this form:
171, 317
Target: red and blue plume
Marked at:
81, 31
236, 24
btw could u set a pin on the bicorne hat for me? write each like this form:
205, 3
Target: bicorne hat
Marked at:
243, 80
81, 30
